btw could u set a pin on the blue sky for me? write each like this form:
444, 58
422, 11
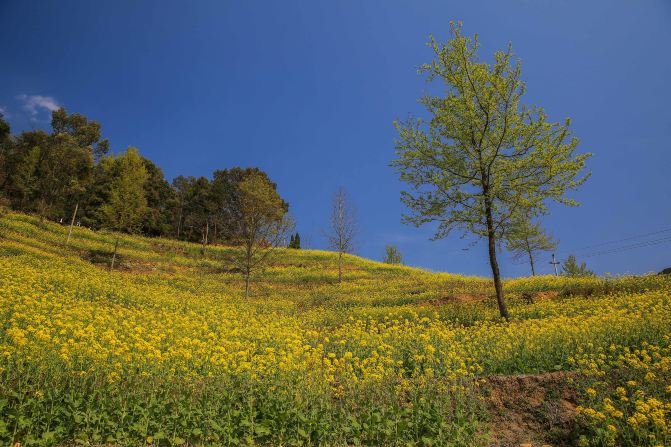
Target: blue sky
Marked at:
308, 91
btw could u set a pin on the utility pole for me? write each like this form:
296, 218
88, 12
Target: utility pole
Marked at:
72, 222
555, 263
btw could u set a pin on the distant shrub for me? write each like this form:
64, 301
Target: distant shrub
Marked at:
392, 255
573, 269
103, 257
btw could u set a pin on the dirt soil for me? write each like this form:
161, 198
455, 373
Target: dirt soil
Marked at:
455, 298
531, 410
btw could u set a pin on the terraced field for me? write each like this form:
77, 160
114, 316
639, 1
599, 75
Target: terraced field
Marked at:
167, 351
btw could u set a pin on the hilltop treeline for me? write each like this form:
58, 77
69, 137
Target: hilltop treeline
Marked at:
52, 173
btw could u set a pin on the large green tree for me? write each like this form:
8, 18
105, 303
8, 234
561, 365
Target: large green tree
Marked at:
160, 198
52, 172
126, 206
483, 157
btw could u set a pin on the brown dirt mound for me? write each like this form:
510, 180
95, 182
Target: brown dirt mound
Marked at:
456, 298
533, 410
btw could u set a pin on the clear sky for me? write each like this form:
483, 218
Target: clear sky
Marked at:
308, 90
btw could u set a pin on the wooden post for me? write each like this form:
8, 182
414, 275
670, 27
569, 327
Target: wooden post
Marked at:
116, 245
72, 223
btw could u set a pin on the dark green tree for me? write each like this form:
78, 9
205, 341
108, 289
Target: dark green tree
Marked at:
226, 197
50, 173
160, 196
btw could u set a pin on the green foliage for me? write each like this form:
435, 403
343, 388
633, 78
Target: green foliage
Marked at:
483, 157
295, 241
392, 255
264, 224
573, 269
54, 173
525, 239
127, 203
159, 194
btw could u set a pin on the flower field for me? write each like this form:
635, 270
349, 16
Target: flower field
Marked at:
166, 350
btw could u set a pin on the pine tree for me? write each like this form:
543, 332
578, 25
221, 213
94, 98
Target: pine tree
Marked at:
297, 241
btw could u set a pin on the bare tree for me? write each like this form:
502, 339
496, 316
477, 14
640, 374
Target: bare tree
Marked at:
264, 225
343, 227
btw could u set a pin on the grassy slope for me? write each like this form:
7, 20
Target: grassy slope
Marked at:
393, 313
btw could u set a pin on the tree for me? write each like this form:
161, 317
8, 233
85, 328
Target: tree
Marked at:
392, 255
484, 158
6, 144
85, 142
525, 239
127, 203
51, 172
157, 220
343, 227
264, 224
182, 191
295, 241
225, 194
200, 209
85, 133
573, 269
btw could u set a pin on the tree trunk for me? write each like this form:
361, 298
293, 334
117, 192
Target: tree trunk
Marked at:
116, 246
531, 261
72, 223
205, 234
340, 266
491, 239
179, 223
248, 266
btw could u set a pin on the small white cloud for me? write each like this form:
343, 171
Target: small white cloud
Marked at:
34, 103
4, 112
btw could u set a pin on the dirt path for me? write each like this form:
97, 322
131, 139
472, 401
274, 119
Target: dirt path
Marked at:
531, 410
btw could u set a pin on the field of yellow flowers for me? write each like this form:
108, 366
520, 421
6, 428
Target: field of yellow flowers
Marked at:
166, 350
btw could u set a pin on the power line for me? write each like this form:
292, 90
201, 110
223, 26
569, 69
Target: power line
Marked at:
629, 247
624, 239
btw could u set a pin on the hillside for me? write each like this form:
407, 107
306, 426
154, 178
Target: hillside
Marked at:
167, 351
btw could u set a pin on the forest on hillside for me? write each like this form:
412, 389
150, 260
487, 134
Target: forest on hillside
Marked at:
68, 173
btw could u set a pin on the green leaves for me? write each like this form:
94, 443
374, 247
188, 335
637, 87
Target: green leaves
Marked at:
483, 158
482, 148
